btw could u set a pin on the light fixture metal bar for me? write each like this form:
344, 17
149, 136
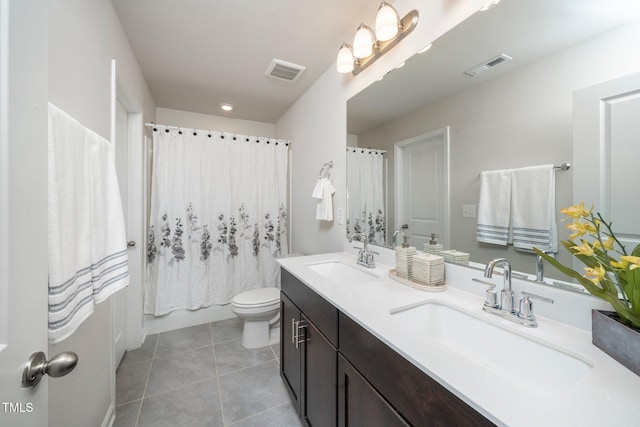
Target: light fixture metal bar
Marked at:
407, 24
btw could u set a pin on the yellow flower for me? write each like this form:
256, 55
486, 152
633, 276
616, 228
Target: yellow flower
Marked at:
594, 274
608, 245
584, 249
580, 228
577, 211
634, 261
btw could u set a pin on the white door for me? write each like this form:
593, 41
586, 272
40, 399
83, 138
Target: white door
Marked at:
606, 149
422, 187
122, 168
23, 208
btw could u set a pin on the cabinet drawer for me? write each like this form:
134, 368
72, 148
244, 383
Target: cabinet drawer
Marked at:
415, 395
315, 308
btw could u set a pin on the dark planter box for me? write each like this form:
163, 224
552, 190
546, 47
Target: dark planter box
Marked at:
618, 340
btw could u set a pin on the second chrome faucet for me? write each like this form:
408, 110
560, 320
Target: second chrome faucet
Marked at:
506, 309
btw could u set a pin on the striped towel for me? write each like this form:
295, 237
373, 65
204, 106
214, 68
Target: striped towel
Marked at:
494, 207
533, 208
86, 239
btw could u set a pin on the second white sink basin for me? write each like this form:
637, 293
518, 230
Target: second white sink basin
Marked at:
533, 366
339, 272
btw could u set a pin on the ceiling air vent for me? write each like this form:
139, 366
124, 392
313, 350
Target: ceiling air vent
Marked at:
488, 64
283, 70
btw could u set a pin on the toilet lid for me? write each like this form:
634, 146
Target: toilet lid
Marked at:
256, 297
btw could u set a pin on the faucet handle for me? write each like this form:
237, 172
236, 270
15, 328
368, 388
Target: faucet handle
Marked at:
526, 307
491, 297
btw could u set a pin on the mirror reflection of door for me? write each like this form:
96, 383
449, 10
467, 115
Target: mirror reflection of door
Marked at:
606, 151
422, 187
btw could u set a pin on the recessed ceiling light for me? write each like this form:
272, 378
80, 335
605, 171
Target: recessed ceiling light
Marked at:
226, 107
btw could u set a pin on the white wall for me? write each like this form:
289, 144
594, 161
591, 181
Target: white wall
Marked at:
316, 123
84, 36
523, 118
187, 119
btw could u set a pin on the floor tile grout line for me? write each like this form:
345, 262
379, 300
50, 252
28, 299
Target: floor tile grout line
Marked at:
258, 413
215, 364
249, 367
146, 383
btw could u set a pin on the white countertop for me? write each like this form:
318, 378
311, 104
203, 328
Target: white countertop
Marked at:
607, 395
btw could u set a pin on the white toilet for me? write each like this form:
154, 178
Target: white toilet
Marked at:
260, 310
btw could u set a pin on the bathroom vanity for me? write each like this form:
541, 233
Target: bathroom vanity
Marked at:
360, 349
328, 359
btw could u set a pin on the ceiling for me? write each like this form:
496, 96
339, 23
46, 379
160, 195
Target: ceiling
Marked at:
526, 30
197, 54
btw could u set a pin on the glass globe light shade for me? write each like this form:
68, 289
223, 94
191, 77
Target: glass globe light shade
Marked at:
344, 63
363, 42
386, 22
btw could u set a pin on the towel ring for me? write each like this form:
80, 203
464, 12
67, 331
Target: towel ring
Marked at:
325, 168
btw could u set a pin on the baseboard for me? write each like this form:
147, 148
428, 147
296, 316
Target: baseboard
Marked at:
185, 318
109, 417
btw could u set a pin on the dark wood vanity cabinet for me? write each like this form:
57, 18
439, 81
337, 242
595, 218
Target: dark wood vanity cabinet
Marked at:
309, 355
361, 381
419, 399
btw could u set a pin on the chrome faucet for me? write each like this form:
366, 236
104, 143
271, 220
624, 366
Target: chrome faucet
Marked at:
540, 266
525, 315
506, 295
365, 257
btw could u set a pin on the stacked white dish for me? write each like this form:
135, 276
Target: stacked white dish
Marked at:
428, 269
404, 261
455, 256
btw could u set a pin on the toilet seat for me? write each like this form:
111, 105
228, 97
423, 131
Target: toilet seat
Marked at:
257, 298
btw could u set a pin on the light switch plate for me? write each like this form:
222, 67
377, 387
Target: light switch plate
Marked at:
340, 216
468, 211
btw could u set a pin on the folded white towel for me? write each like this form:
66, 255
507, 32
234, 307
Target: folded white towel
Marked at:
494, 207
533, 208
86, 240
323, 191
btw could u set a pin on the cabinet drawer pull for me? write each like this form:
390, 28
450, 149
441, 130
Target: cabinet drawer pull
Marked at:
293, 330
299, 333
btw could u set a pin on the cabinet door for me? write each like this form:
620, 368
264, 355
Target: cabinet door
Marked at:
290, 361
359, 404
320, 367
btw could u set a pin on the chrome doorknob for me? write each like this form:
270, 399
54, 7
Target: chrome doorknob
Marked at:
131, 244
37, 365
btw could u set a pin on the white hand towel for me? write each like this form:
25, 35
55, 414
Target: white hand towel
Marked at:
533, 208
323, 192
494, 207
86, 240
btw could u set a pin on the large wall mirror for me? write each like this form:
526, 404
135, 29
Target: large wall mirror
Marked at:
517, 113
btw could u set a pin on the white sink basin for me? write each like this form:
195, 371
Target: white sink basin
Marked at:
531, 365
339, 272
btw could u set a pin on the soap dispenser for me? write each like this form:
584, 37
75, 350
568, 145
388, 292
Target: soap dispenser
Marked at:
404, 258
433, 247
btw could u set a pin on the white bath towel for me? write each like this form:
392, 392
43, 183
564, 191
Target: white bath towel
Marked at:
494, 207
86, 237
533, 208
323, 191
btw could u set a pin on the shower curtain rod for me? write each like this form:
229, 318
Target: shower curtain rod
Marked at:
235, 135
366, 148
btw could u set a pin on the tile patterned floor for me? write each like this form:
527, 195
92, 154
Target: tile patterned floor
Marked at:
202, 376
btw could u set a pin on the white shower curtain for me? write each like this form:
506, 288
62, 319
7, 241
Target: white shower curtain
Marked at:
218, 218
365, 194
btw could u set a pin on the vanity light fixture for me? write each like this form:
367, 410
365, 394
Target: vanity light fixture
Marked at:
363, 42
368, 45
226, 107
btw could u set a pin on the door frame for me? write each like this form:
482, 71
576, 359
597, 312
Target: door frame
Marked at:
136, 215
398, 153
